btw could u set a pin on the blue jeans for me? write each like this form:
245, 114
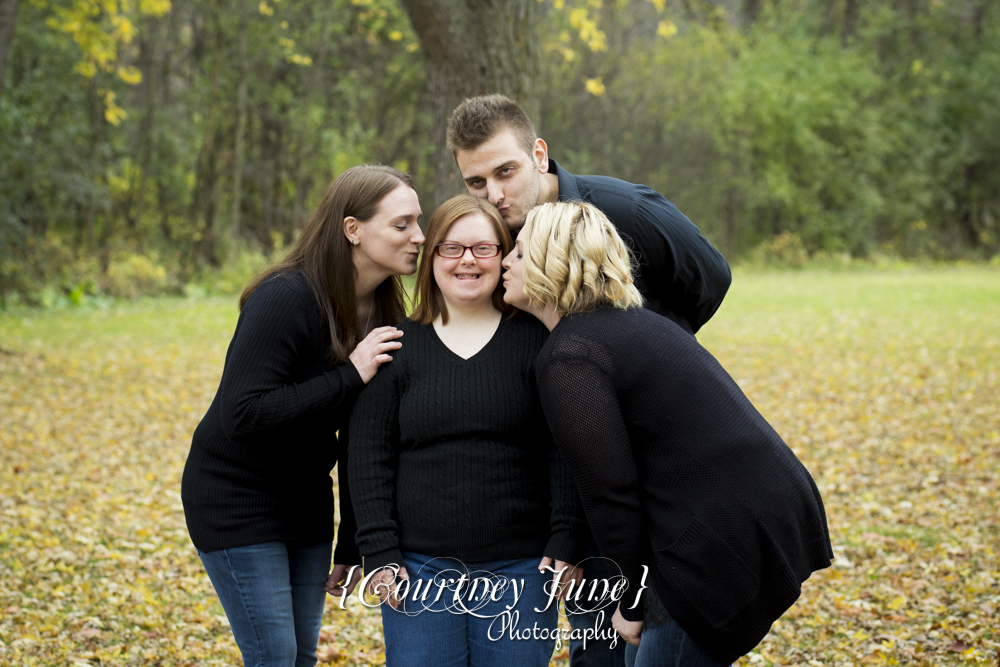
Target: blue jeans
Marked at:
273, 596
438, 625
667, 645
583, 616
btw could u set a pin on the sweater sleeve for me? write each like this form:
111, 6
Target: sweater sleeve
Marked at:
346, 552
566, 519
257, 392
581, 405
372, 465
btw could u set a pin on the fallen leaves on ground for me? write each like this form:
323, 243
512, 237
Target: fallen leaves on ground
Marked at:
884, 384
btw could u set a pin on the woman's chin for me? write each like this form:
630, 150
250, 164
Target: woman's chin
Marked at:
512, 300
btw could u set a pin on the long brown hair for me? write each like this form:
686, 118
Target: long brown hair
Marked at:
323, 254
429, 301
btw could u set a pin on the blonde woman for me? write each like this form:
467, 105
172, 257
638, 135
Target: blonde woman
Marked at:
453, 472
676, 469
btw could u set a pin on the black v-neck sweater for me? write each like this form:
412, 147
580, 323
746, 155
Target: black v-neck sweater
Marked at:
260, 461
452, 457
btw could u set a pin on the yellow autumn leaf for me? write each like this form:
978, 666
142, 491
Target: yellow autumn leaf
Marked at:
595, 86
666, 29
130, 75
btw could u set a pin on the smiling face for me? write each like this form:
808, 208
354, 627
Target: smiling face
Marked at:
389, 243
513, 277
468, 282
500, 170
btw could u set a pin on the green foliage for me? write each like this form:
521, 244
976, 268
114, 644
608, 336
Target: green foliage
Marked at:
136, 275
876, 138
232, 118
785, 250
198, 135
804, 141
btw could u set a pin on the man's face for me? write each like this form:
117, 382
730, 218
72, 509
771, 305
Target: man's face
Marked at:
502, 172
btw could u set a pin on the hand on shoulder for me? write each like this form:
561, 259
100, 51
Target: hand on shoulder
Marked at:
374, 350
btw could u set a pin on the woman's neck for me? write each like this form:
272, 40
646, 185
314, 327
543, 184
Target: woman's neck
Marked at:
462, 314
470, 327
367, 279
547, 316
550, 318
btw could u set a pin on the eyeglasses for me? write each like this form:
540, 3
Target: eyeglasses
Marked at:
480, 250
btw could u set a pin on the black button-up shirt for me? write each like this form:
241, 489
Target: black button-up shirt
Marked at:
681, 275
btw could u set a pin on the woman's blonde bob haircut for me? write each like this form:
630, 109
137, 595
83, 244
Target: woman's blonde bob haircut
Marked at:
575, 259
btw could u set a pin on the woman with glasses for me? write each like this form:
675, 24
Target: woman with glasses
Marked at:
677, 472
455, 479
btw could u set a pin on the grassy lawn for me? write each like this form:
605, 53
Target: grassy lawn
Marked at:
886, 384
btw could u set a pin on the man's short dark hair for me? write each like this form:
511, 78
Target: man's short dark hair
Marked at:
478, 119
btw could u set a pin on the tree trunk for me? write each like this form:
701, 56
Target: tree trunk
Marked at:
473, 47
749, 11
303, 181
241, 125
265, 172
8, 15
202, 201
850, 20
151, 64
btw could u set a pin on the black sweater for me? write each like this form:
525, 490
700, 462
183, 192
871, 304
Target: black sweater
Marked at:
260, 461
678, 471
452, 457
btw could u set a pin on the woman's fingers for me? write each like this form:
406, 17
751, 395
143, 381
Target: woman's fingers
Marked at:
355, 578
371, 352
394, 597
631, 631
383, 334
336, 583
562, 574
383, 585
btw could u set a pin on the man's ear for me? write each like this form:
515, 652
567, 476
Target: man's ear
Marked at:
541, 155
352, 230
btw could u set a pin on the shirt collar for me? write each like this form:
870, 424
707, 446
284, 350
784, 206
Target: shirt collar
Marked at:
568, 191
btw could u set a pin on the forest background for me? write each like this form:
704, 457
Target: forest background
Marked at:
150, 146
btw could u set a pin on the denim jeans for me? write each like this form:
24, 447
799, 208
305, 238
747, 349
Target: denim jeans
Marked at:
583, 616
667, 645
273, 596
438, 626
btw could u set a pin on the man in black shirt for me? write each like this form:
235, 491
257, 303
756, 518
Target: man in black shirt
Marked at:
680, 274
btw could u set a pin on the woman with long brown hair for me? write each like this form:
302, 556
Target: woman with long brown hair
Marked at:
313, 330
